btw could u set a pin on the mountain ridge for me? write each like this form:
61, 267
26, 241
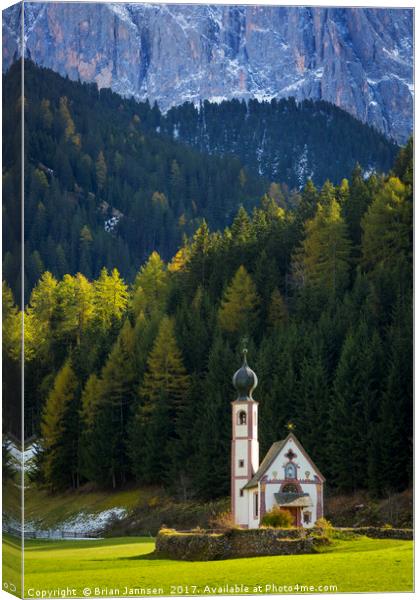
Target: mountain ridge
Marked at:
358, 59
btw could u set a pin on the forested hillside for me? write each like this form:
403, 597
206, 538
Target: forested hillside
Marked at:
99, 190
104, 188
283, 140
133, 382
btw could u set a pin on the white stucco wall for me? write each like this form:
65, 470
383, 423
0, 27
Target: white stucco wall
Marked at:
305, 477
241, 453
241, 508
304, 471
253, 521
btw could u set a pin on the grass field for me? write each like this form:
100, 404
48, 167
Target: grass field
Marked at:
113, 567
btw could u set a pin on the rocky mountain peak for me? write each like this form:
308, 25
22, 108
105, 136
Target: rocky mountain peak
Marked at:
360, 59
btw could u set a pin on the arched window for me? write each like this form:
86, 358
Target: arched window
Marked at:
241, 417
290, 471
290, 488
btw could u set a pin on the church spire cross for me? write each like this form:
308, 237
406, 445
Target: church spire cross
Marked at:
244, 350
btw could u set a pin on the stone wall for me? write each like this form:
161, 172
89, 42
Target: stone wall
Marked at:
381, 532
241, 543
236, 543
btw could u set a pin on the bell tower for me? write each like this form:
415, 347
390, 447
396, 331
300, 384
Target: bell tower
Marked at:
245, 447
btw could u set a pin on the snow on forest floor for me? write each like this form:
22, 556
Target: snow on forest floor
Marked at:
80, 525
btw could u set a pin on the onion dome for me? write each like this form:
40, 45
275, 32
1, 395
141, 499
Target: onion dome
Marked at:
245, 381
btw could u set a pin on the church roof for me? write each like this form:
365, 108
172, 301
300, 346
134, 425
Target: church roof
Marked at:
268, 459
271, 455
292, 499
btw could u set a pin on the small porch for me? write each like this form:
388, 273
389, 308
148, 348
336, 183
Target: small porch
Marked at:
297, 504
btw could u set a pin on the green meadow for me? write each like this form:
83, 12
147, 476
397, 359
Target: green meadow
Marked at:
126, 566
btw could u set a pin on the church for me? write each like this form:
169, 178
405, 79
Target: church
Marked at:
287, 477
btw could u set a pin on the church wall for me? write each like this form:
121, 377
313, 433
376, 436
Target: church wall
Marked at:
304, 467
255, 422
311, 489
255, 455
305, 479
241, 452
241, 508
253, 521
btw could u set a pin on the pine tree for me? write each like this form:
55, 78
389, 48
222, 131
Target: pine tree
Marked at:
327, 194
403, 167
277, 195
355, 204
241, 227
277, 312
111, 297
12, 325
238, 312
387, 226
353, 409
308, 202
162, 395
76, 302
46, 114
393, 470
40, 318
182, 449
90, 402
101, 170
43, 300
312, 392
194, 324
111, 410
59, 430
277, 386
151, 286
68, 123
343, 192
198, 256
213, 425
322, 262
165, 369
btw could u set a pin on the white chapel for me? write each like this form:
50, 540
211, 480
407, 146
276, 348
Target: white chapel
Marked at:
287, 476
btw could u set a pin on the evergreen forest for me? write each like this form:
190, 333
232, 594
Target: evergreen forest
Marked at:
108, 180
283, 140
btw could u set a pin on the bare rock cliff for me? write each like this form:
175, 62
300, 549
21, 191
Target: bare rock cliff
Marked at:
359, 59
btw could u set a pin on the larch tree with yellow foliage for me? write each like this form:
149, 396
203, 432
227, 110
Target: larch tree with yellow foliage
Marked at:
151, 286
76, 300
12, 326
110, 297
238, 312
323, 260
387, 225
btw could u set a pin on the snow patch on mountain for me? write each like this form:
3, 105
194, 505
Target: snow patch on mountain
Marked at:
177, 53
